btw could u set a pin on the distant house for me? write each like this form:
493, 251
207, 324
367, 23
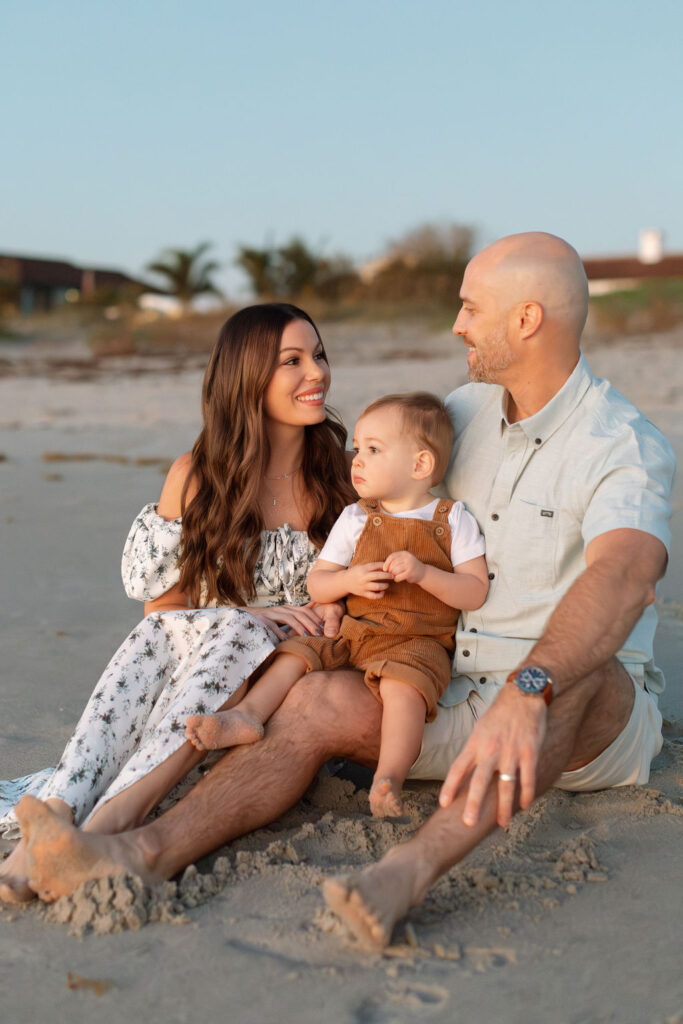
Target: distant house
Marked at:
33, 285
616, 273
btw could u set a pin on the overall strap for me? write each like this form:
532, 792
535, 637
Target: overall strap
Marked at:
443, 510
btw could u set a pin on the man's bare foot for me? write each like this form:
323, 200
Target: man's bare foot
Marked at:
371, 901
14, 887
385, 801
231, 728
59, 857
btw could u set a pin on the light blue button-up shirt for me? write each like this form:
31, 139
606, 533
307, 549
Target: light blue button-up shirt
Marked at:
541, 489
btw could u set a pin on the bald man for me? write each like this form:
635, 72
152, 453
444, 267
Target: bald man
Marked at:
553, 680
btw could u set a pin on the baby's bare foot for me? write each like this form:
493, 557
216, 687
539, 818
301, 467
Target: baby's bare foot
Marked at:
385, 799
231, 728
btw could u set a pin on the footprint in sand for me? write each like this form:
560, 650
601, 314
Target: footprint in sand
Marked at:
391, 1006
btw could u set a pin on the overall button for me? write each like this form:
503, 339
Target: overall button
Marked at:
442, 508
439, 531
377, 520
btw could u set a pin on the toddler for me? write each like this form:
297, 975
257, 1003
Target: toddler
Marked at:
406, 562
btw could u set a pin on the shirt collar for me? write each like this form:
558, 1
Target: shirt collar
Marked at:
539, 427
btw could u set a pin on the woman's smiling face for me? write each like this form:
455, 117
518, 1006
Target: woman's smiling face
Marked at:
295, 394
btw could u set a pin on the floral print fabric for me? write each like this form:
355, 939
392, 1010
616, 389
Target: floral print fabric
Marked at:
173, 664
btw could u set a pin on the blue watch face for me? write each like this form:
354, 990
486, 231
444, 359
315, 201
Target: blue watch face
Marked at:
532, 679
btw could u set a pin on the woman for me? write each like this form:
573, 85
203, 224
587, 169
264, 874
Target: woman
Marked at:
238, 524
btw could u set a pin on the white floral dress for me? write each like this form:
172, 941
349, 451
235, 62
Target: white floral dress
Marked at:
173, 664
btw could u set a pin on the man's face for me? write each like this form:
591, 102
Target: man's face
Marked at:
482, 323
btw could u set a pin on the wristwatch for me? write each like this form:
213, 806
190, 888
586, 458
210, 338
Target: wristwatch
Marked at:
532, 680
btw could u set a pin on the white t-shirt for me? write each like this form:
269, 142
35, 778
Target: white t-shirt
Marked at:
466, 539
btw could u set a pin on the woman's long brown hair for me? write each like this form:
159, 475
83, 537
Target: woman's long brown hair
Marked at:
222, 523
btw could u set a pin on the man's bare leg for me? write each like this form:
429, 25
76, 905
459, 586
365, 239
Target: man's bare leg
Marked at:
581, 724
403, 718
244, 723
323, 716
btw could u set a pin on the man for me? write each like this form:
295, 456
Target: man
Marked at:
570, 485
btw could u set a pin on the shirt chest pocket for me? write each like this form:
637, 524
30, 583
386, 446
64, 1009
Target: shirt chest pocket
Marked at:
529, 556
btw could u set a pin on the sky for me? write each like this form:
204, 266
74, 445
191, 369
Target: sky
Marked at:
128, 127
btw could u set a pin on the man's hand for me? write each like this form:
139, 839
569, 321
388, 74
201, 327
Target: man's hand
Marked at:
330, 615
506, 740
368, 579
404, 567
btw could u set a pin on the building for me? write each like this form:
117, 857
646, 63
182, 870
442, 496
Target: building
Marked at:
29, 285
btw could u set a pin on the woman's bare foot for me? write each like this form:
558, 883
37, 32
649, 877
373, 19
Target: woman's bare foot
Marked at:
60, 857
385, 800
14, 887
371, 901
231, 728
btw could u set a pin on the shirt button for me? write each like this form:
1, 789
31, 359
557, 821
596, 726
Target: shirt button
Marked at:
537, 440
495, 517
492, 575
377, 520
465, 654
482, 679
472, 629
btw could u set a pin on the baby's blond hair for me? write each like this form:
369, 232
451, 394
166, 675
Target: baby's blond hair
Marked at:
424, 416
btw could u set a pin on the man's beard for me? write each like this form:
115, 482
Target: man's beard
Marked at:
495, 357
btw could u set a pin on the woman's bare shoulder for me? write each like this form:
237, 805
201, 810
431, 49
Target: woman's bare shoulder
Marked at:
170, 501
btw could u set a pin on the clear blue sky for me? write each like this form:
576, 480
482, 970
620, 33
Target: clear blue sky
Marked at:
134, 125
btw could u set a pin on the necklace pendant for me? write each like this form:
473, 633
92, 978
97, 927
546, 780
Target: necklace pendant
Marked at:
274, 502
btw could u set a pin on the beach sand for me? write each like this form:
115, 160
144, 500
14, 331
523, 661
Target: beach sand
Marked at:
571, 916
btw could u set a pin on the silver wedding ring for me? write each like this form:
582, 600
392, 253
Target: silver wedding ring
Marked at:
504, 777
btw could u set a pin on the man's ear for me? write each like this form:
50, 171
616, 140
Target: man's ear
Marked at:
424, 465
529, 318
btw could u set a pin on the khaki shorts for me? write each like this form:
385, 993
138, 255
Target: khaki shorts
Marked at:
626, 762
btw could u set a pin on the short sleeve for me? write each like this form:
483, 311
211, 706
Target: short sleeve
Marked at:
343, 537
149, 565
633, 486
467, 541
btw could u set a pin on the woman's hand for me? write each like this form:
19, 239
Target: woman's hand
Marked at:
331, 615
301, 619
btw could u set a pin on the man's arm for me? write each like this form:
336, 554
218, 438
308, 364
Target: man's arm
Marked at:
588, 627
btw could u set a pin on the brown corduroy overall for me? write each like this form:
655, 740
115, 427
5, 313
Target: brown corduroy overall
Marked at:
407, 634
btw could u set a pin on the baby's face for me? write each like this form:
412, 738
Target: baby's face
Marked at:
385, 456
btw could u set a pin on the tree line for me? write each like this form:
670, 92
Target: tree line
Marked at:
423, 266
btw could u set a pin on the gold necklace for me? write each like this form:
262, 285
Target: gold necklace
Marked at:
284, 476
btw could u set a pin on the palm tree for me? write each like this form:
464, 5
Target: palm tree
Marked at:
187, 273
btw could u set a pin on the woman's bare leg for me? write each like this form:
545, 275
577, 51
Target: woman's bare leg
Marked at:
403, 718
14, 887
244, 724
129, 808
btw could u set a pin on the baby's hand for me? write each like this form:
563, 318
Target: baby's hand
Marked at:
404, 567
368, 579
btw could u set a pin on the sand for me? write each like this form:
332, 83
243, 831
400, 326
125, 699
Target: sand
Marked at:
571, 916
